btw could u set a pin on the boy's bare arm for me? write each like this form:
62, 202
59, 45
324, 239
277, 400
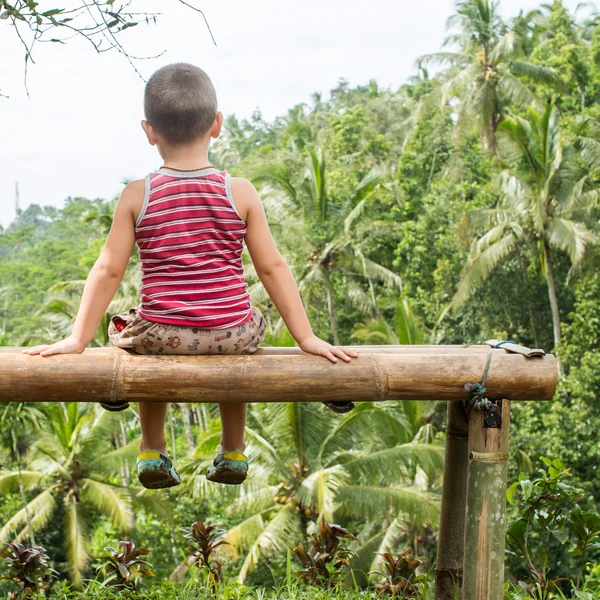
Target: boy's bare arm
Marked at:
275, 274
105, 276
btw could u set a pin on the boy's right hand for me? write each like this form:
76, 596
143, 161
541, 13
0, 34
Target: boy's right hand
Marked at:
315, 345
69, 345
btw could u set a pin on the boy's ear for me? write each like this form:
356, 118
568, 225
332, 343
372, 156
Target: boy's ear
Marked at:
150, 133
215, 130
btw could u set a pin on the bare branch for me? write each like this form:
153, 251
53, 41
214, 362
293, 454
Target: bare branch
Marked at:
97, 21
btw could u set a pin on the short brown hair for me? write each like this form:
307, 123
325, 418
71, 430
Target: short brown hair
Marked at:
180, 102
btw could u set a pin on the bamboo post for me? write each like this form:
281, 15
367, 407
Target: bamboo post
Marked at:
485, 520
449, 564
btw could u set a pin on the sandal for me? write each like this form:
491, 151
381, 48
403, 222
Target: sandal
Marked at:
114, 406
340, 407
229, 467
156, 471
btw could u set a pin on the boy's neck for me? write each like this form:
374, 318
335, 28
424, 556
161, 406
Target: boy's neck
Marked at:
188, 157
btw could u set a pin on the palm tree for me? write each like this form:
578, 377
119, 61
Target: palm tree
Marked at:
326, 229
487, 70
407, 328
301, 469
19, 421
545, 204
71, 463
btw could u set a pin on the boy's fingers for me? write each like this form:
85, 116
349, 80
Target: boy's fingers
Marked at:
50, 351
328, 354
342, 354
35, 349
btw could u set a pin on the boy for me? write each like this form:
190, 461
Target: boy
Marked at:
189, 221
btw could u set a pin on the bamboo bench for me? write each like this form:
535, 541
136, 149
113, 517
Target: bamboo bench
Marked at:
472, 522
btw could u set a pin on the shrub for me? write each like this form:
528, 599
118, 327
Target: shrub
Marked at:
323, 564
205, 540
124, 570
400, 576
28, 567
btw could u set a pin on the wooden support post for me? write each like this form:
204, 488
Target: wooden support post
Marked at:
449, 565
485, 519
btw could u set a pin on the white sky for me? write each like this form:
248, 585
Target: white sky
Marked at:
78, 133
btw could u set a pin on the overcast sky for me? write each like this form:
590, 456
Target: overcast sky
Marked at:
78, 133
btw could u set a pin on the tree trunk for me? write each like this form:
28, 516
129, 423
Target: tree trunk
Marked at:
24, 500
187, 425
553, 304
331, 311
485, 518
451, 537
124, 467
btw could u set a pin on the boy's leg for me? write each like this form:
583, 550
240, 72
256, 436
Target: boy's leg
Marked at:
152, 420
233, 425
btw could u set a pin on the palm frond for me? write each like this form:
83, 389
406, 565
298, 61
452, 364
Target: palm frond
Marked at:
279, 533
367, 422
39, 510
109, 462
387, 464
453, 59
10, 481
516, 91
152, 502
109, 500
253, 501
320, 487
369, 501
482, 265
244, 534
375, 332
76, 538
538, 74
381, 273
572, 237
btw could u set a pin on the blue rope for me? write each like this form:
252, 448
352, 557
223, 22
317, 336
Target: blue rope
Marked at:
478, 391
500, 344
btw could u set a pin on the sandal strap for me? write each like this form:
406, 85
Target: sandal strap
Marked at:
152, 454
234, 455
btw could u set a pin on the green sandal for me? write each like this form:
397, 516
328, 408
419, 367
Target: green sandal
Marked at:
229, 467
156, 471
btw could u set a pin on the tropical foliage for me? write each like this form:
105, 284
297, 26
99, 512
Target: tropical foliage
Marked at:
459, 207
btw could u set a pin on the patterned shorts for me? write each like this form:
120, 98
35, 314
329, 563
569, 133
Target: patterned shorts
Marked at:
130, 331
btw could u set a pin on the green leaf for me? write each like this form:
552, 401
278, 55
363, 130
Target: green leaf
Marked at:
561, 535
54, 11
510, 492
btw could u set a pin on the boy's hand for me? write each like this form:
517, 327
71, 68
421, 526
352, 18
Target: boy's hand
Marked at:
315, 345
69, 345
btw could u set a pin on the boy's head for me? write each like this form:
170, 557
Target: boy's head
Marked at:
180, 104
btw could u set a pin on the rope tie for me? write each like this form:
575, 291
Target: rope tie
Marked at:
478, 391
479, 401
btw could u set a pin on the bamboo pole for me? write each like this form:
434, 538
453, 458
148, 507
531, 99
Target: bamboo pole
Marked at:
449, 564
116, 375
485, 520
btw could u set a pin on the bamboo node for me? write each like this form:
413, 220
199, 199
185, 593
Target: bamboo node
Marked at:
381, 378
488, 457
457, 434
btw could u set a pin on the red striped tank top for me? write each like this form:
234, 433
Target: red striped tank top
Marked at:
190, 240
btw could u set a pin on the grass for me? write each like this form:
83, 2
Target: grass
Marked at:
192, 590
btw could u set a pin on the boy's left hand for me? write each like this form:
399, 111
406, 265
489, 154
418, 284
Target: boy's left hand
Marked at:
315, 345
69, 345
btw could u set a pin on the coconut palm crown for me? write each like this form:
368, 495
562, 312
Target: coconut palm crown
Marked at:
70, 466
489, 70
546, 201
